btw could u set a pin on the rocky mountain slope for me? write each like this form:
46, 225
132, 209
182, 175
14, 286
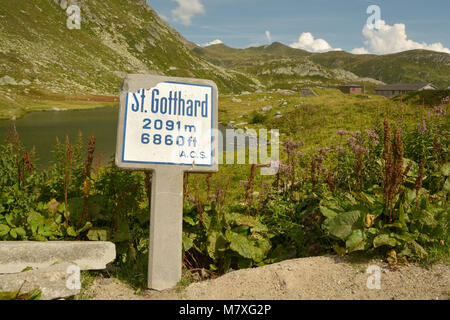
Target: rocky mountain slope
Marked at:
39, 52
41, 57
279, 66
275, 61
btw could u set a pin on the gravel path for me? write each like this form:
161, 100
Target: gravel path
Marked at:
325, 277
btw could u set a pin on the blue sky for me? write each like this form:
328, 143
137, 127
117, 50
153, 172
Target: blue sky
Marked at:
324, 24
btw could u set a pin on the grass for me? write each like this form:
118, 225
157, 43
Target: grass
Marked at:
316, 120
34, 102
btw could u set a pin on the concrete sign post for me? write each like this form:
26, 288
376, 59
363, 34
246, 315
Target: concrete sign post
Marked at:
169, 126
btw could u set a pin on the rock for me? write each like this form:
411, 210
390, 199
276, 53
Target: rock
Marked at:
266, 108
236, 100
25, 82
89, 255
7, 80
55, 282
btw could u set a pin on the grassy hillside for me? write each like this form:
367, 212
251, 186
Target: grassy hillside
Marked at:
40, 55
404, 67
315, 120
279, 66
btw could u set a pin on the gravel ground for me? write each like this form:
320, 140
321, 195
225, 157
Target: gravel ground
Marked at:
325, 277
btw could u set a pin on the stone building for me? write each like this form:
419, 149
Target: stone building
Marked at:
391, 90
351, 88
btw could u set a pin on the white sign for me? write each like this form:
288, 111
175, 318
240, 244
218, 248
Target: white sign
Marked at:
170, 124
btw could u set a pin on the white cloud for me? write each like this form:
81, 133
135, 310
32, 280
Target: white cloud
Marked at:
186, 10
360, 51
391, 39
307, 42
217, 41
268, 36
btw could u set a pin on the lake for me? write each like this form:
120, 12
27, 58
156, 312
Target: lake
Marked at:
40, 129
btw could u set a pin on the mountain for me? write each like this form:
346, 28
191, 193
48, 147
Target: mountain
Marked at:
40, 55
280, 66
42, 60
341, 66
404, 67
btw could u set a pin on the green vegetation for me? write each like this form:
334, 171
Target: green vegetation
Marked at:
18, 295
354, 185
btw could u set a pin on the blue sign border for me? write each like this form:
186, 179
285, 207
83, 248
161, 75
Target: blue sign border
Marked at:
172, 163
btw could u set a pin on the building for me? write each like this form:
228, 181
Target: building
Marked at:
307, 92
391, 90
351, 88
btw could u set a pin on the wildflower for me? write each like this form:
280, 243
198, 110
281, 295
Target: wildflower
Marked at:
243, 182
342, 132
422, 129
373, 136
340, 149
324, 151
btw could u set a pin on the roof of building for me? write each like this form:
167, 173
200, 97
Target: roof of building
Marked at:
406, 86
352, 85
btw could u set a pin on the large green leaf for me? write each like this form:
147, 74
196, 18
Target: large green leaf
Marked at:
328, 213
216, 242
247, 248
241, 219
341, 226
356, 241
71, 231
97, 235
188, 243
189, 220
445, 169
447, 185
384, 240
4, 230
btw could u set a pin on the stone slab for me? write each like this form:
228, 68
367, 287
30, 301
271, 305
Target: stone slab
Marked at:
52, 281
15, 256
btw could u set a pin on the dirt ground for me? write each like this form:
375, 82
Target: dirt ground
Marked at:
325, 277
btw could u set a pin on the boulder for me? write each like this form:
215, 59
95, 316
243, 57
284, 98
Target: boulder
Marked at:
7, 80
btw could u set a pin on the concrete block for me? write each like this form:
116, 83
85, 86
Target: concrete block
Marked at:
88, 255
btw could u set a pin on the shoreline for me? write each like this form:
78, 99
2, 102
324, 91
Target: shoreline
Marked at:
25, 112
